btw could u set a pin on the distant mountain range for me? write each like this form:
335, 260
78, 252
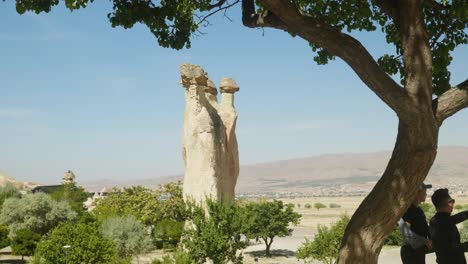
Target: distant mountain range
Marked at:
351, 170
307, 175
5, 179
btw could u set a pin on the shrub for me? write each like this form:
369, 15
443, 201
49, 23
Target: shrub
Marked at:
4, 240
464, 232
7, 191
218, 236
167, 233
24, 243
128, 235
334, 205
428, 209
86, 245
36, 212
394, 238
319, 206
326, 243
179, 257
308, 206
74, 195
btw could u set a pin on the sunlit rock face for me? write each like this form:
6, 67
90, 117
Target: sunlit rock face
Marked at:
209, 146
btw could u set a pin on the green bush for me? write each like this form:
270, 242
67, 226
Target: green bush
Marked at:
307, 205
74, 195
334, 205
179, 257
167, 233
218, 236
319, 206
395, 238
86, 245
428, 209
326, 243
7, 191
4, 240
128, 235
464, 232
36, 212
24, 243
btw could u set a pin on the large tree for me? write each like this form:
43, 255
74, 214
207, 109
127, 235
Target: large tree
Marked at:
36, 212
267, 220
424, 33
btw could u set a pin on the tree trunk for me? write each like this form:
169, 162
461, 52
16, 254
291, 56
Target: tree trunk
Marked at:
412, 158
268, 245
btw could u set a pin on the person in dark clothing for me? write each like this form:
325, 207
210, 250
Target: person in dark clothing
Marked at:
415, 231
444, 232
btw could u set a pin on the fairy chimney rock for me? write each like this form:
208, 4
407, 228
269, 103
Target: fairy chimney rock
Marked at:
209, 144
69, 177
193, 74
228, 85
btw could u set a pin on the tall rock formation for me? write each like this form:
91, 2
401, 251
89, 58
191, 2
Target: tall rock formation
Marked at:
209, 149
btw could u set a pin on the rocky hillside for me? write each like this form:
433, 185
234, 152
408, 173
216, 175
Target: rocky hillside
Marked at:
4, 179
333, 172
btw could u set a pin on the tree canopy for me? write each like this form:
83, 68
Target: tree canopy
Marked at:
85, 241
36, 212
148, 206
267, 220
74, 195
174, 22
129, 235
24, 243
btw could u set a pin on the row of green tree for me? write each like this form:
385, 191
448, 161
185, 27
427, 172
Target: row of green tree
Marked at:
319, 205
134, 220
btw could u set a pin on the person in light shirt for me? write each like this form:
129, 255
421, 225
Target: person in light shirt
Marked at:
415, 231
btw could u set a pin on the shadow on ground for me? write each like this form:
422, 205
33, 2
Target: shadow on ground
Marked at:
274, 253
12, 261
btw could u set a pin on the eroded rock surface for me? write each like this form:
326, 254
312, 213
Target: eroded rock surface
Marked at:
210, 151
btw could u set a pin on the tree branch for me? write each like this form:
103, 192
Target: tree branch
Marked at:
416, 52
253, 20
452, 101
347, 48
437, 6
387, 6
219, 4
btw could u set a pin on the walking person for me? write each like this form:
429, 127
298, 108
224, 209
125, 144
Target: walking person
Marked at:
444, 232
415, 231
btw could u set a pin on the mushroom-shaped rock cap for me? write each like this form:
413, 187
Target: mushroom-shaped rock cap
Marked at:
228, 85
211, 88
192, 74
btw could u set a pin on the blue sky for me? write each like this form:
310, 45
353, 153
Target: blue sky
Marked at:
105, 102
